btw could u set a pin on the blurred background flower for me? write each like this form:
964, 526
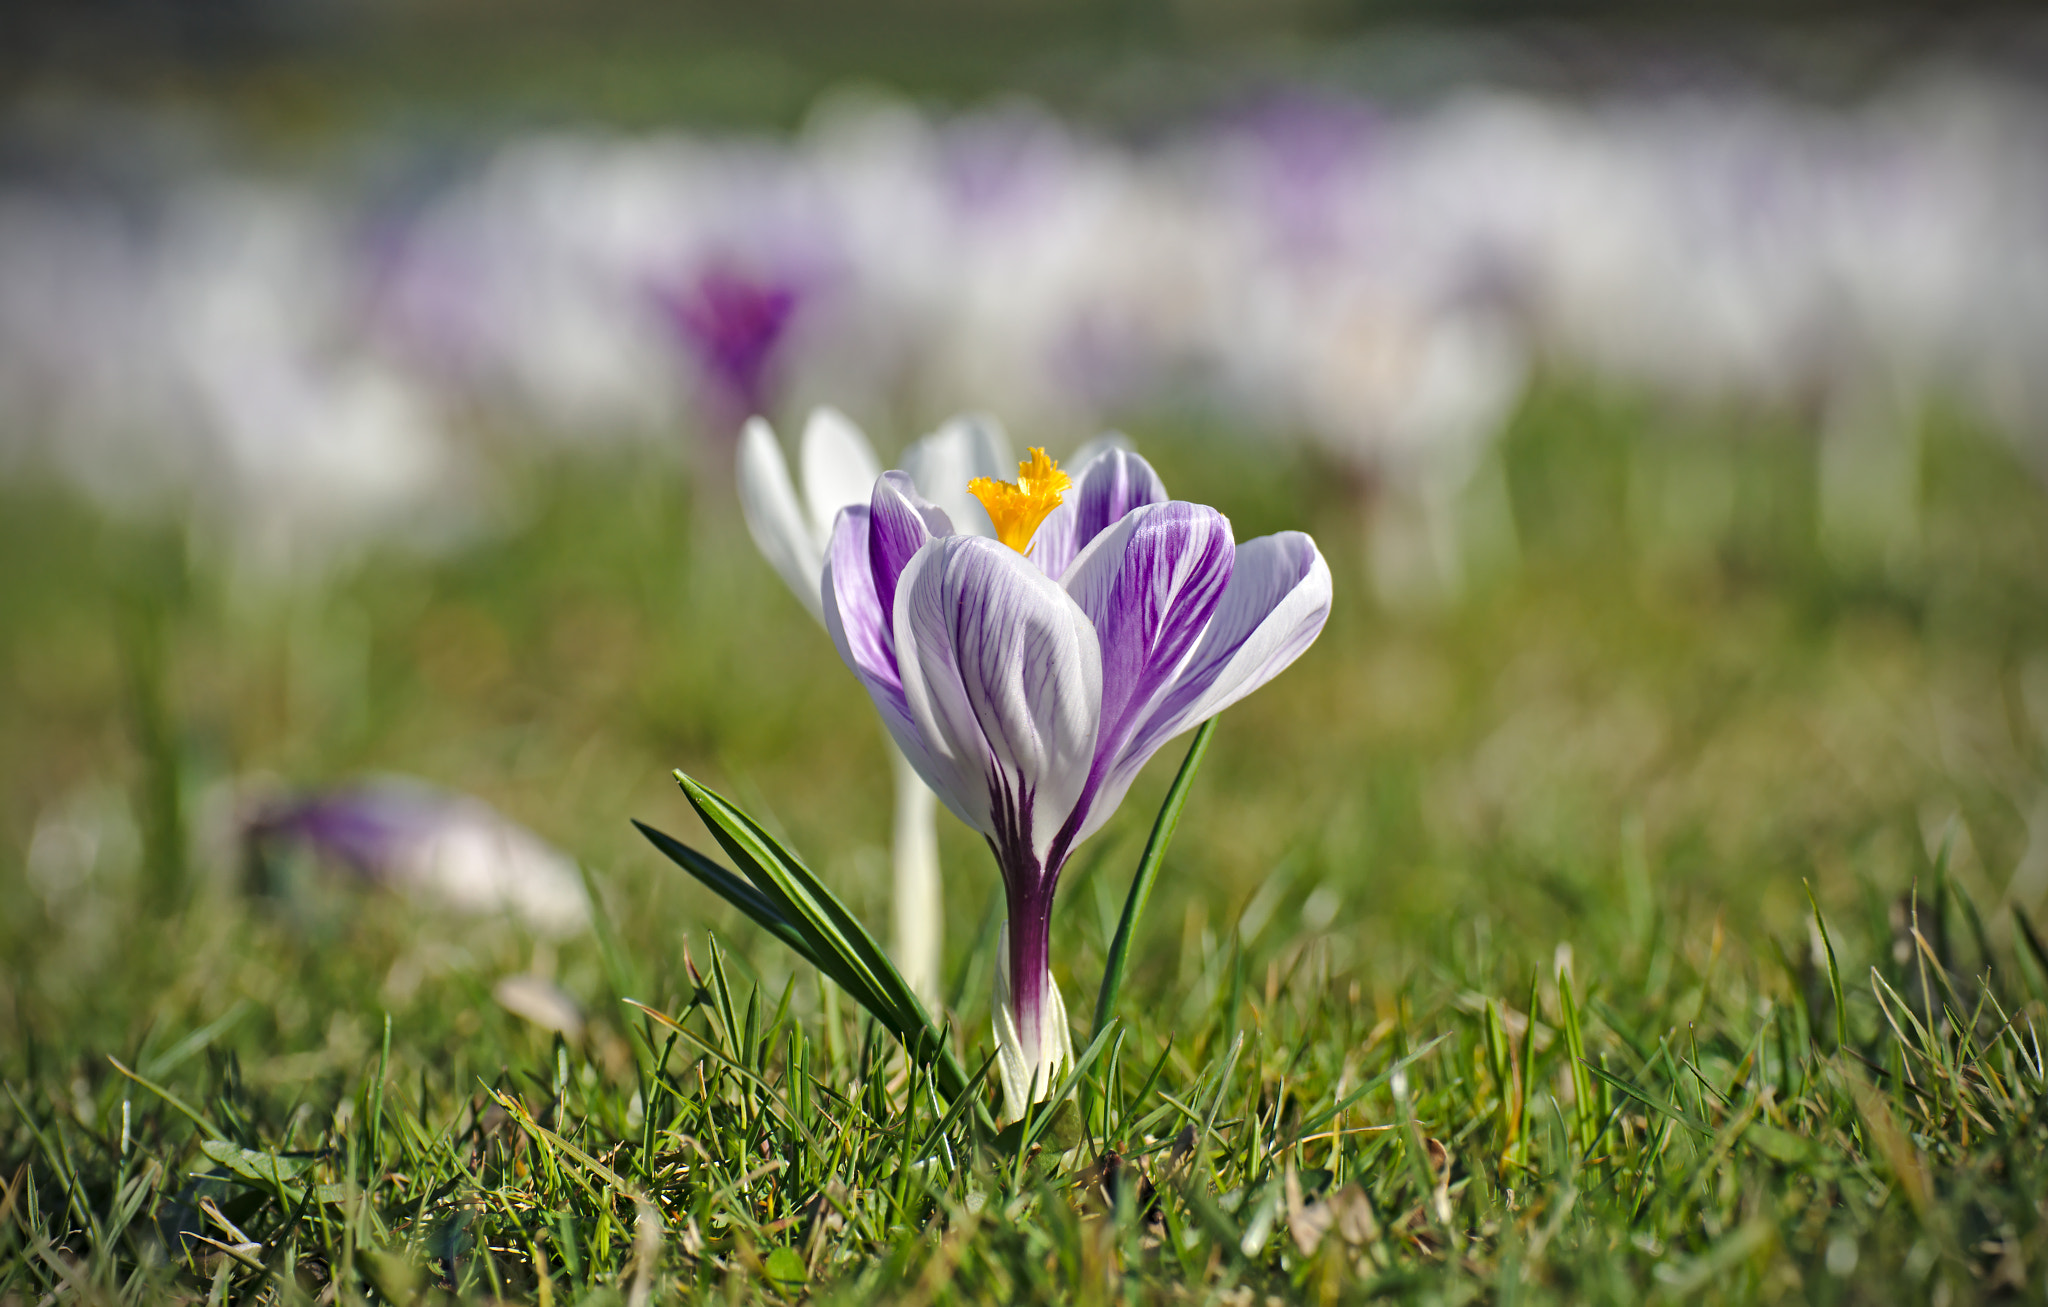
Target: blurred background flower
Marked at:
305, 363
451, 850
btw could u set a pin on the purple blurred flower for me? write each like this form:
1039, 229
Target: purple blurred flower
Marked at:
1303, 155
409, 837
1028, 682
732, 322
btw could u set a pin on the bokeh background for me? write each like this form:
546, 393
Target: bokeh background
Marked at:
1668, 395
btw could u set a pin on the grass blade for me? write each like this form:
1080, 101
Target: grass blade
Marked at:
191, 1113
1834, 975
1066, 1087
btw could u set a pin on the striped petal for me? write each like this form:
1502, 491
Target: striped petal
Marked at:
899, 522
1150, 585
854, 615
1108, 484
863, 634
871, 545
1003, 678
1271, 612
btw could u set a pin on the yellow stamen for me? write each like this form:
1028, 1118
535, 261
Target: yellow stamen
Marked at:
1017, 508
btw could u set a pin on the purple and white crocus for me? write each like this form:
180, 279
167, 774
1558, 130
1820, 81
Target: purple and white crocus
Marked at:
838, 468
1029, 678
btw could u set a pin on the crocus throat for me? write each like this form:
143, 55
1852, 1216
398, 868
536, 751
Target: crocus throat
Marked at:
1017, 508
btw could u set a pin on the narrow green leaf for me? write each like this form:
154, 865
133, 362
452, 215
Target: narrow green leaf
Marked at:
774, 1097
721, 995
751, 901
810, 907
791, 901
270, 1172
1672, 1110
1148, 873
549, 1139
193, 1114
1585, 1107
733, 889
1524, 1092
1308, 1125
961, 1102
377, 1104
162, 1064
1834, 975
2032, 940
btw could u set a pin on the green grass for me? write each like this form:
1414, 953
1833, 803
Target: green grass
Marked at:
1482, 967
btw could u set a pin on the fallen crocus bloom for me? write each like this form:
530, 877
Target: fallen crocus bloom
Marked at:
452, 847
1028, 678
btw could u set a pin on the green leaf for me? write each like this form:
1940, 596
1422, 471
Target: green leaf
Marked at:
956, 1111
801, 899
1648, 1100
786, 898
2025, 929
191, 1113
732, 889
1148, 872
1585, 1105
1778, 1145
1834, 975
785, 1268
252, 1165
271, 1172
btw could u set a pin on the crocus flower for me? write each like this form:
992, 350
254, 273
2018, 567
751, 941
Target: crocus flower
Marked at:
416, 839
839, 470
733, 324
1027, 678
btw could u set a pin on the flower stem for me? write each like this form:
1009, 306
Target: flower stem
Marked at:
918, 920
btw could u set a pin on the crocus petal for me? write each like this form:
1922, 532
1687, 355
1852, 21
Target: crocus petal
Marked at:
455, 848
965, 447
775, 518
899, 522
871, 545
1273, 609
1003, 678
839, 467
1110, 487
862, 632
1150, 586
1107, 485
1095, 449
859, 625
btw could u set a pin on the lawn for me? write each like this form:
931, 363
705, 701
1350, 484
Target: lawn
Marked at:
1649, 921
